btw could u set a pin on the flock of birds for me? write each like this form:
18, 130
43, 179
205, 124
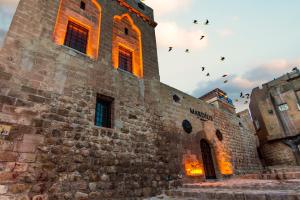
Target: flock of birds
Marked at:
243, 96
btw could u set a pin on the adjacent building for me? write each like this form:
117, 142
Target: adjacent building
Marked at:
275, 109
219, 99
83, 114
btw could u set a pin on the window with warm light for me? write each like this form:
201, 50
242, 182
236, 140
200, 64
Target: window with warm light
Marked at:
76, 37
125, 59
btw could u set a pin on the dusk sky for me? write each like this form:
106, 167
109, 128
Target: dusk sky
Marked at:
260, 40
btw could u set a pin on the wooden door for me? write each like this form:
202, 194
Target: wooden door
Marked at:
207, 160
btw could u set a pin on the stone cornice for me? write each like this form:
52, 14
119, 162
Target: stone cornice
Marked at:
138, 13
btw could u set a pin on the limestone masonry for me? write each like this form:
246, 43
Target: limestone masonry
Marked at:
83, 114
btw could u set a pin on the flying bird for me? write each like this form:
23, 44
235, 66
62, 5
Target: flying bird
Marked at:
223, 58
202, 37
206, 22
225, 75
208, 74
195, 21
226, 81
187, 51
241, 95
203, 68
170, 49
248, 96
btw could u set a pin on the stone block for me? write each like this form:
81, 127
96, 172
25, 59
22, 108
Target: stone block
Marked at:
7, 100
81, 196
18, 188
33, 138
40, 197
25, 147
3, 189
5, 76
6, 156
4, 197
27, 157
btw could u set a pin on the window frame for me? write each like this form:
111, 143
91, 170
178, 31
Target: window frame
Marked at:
108, 102
69, 39
122, 51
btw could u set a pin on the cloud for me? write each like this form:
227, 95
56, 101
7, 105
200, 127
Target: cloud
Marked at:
226, 32
163, 7
10, 3
171, 34
246, 82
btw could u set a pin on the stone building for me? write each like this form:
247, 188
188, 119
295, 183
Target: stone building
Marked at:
275, 109
219, 99
83, 114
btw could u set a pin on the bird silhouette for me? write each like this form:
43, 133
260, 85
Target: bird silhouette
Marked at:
203, 68
208, 74
226, 81
225, 75
247, 95
187, 51
170, 49
206, 22
195, 21
223, 58
241, 95
202, 37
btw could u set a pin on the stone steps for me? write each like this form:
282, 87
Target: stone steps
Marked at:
233, 194
274, 176
237, 189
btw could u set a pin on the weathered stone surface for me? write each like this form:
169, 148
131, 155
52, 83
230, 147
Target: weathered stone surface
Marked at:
49, 96
81, 196
3, 189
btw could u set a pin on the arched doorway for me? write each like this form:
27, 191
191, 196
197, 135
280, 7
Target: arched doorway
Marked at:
207, 160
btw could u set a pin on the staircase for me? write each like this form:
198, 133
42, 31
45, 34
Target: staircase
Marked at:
275, 184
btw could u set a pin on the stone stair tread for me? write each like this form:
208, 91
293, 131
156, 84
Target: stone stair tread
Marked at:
243, 191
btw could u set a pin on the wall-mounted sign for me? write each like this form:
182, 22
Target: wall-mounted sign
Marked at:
4, 130
201, 115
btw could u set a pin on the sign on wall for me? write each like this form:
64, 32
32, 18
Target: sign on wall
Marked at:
4, 130
201, 115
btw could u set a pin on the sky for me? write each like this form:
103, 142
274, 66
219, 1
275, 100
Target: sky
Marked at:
260, 40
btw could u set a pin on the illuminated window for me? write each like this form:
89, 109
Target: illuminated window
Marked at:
283, 107
125, 59
76, 37
103, 112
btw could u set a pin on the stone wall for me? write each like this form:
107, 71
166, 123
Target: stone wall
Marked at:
236, 154
48, 95
277, 153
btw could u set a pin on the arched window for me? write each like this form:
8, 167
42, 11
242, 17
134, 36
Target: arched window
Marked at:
127, 46
78, 26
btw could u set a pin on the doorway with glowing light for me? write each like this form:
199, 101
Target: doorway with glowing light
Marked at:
207, 158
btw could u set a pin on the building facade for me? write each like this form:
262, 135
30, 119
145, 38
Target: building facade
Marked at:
219, 99
275, 109
83, 114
